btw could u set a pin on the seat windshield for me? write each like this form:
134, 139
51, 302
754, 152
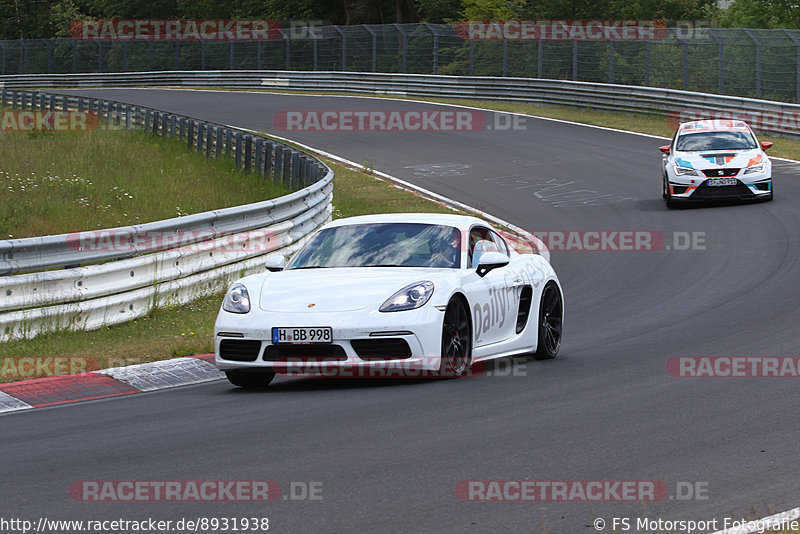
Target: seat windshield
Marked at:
690, 142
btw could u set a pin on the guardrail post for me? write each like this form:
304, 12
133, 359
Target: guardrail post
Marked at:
228, 141
190, 133
81, 104
237, 157
278, 168
183, 122
127, 117
258, 162
303, 172
209, 139
267, 159
41, 102
166, 120
2, 96
156, 117
295, 177
173, 121
248, 151
200, 131
218, 141
147, 118
287, 167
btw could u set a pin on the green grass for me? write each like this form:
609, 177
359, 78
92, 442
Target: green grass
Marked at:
185, 331
53, 183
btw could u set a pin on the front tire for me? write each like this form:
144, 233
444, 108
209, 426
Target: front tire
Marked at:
551, 318
250, 379
456, 341
666, 194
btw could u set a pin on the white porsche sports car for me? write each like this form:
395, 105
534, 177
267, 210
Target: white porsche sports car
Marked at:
425, 294
715, 159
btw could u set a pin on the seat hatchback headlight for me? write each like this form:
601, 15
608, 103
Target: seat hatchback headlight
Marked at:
237, 300
684, 171
758, 167
409, 298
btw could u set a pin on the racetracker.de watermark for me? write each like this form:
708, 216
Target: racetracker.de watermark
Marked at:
176, 30
424, 367
562, 30
607, 241
734, 366
48, 121
578, 491
27, 367
194, 491
127, 241
783, 120
418, 120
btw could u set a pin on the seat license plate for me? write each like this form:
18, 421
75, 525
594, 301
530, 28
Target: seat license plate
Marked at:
302, 335
721, 181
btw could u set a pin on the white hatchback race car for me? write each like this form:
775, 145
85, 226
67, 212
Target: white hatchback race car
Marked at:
715, 160
412, 295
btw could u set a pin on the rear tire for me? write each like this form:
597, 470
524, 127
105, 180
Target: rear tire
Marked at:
250, 379
551, 318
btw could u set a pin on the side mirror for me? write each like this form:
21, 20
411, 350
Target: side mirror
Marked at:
491, 260
664, 149
275, 263
766, 144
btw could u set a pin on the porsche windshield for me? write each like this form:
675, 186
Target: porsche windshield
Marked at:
691, 142
382, 245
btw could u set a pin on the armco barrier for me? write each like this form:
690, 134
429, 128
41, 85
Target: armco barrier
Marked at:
194, 256
766, 116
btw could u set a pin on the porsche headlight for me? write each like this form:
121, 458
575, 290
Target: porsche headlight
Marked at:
684, 171
758, 167
409, 298
237, 300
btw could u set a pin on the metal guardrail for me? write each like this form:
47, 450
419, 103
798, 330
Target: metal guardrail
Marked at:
764, 115
168, 262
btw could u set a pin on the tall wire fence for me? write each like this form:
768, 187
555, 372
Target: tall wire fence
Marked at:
740, 62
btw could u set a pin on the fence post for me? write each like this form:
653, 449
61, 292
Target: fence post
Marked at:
797, 79
539, 58
471, 57
574, 60
295, 176
209, 137
202, 55
374, 48
3, 61
127, 117
230, 53
228, 141
74, 56
288, 51
647, 63
287, 166
344, 47
758, 60
611, 62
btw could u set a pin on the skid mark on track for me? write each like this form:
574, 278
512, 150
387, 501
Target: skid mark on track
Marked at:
560, 193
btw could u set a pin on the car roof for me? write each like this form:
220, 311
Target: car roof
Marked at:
463, 222
714, 125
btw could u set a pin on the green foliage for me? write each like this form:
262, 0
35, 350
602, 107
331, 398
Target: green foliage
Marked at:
760, 14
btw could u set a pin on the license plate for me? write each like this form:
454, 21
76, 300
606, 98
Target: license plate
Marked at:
721, 181
302, 335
